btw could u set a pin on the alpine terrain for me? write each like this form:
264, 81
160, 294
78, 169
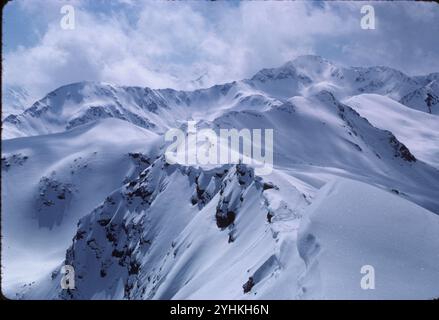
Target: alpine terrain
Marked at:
354, 185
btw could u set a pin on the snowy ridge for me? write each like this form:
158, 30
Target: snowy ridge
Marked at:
137, 247
80, 103
417, 129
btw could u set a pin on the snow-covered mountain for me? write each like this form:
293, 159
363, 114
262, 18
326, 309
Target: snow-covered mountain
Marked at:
14, 100
425, 96
80, 103
355, 182
418, 130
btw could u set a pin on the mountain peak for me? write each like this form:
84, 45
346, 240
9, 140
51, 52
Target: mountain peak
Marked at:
305, 66
310, 58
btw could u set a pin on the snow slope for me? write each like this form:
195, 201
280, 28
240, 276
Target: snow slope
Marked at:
417, 130
317, 138
14, 100
136, 245
350, 225
49, 182
425, 98
137, 252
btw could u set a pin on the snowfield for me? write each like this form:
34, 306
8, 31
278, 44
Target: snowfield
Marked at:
350, 225
355, 183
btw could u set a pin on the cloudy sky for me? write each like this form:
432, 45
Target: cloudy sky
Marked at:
168, 44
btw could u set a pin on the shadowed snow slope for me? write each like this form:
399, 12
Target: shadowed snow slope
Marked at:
49, 182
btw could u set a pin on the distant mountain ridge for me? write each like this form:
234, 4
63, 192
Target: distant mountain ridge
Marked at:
79, 103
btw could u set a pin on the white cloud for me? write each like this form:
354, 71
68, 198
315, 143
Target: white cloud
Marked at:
161, 44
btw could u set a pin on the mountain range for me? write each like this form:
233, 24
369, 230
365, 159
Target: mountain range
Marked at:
355, 182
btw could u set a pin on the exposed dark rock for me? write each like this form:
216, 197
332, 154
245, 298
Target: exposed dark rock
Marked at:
401, 150
134, 268
269, 185
248, 285
79, 235
104, 222
224, 220
117, 253
269, 216
13, 160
